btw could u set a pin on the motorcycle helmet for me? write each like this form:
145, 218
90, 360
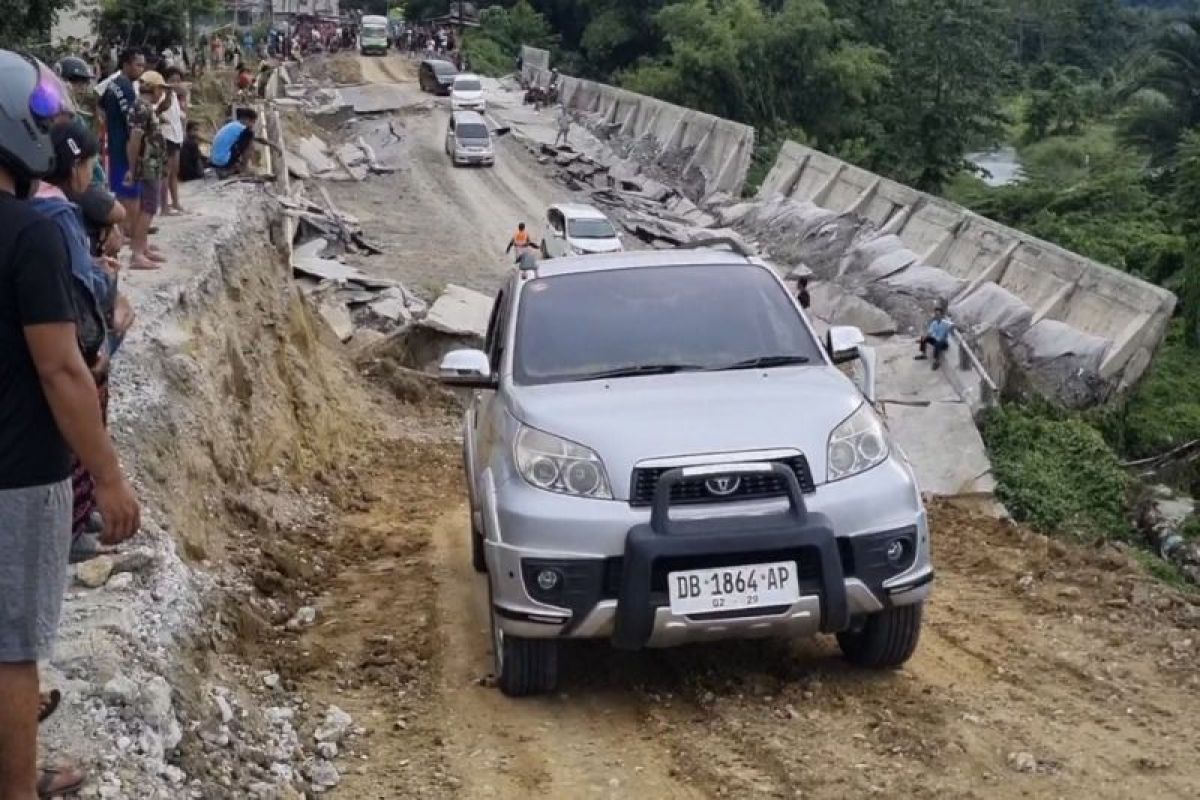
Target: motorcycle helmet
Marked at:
73, 68
31, 98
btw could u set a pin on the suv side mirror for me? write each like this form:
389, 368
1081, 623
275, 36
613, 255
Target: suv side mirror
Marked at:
844, 342
468, 369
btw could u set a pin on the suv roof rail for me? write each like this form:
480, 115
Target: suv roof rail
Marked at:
731, 243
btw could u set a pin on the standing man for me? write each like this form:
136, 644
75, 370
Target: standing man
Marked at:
118, 100
148, 166
48, 408
564, 128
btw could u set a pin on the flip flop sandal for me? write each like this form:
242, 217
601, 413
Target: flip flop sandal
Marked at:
52, 699
59, 781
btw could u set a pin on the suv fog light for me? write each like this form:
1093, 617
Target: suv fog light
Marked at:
548, 579
897, 551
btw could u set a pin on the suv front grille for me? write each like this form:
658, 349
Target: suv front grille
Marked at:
752, 487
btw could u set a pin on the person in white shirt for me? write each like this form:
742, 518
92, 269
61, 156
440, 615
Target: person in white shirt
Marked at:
173, 117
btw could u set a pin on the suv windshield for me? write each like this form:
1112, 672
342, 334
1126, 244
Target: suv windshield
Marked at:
472, 131
590, 229
656, 320
468, 86
443, 69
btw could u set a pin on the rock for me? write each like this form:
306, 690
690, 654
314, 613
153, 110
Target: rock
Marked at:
337, 315
119, 691
323, 775
460, 312
122, 581
271, 680
95, 573
391, 309
223, 708
159, 712
279, 716
1022, 762
173, 773
327, 750
134, 560
306, 615
283, 771
335, 726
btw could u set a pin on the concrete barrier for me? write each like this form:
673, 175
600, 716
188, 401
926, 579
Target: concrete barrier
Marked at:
1080, 332
700, 153
534, 61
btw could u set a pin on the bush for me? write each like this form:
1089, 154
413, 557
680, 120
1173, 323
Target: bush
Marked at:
1056, 473
1164, 410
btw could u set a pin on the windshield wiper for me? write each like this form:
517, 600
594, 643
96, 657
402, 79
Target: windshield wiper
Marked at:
763, 362
640, 369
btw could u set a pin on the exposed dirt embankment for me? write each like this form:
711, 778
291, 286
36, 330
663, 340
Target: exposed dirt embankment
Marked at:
232, 405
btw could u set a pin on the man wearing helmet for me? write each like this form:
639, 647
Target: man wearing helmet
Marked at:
48, 409
81, 80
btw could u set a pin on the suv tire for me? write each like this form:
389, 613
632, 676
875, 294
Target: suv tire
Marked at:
523, 667
886, 639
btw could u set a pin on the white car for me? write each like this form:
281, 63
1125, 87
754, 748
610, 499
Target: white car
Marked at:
467, 94
574, 229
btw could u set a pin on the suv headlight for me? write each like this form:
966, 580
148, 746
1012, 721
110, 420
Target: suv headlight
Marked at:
857, 444
558, 465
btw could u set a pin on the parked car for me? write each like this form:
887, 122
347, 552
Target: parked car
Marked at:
661, 450
573, 229
466, 93
436, 76
468, 140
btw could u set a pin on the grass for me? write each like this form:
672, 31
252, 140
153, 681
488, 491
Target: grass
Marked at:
1056, 472
1164, 410
1163, 570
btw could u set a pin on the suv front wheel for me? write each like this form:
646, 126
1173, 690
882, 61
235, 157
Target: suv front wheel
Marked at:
885, 639
523, 667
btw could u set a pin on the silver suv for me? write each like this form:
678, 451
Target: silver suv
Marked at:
661, 450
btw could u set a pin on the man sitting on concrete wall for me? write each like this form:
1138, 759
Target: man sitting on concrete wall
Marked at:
937, 335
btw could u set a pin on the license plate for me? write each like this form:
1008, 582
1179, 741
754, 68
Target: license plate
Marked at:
704, 591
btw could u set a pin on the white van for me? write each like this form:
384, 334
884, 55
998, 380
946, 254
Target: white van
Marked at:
468, 140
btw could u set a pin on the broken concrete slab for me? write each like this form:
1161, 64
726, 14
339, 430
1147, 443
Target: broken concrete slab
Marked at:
900, 378
391, 309
376, 98
336, 315
922, 433
460, 312
315, 153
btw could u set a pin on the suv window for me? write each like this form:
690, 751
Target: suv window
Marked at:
473, 131
711, 317
592, 229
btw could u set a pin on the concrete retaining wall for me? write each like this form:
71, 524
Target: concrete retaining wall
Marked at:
1062, 312
534, 61
706, 154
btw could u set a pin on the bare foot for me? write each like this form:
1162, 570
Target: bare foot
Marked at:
143, 263
156, 256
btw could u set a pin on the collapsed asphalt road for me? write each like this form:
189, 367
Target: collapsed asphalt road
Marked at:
1046, 669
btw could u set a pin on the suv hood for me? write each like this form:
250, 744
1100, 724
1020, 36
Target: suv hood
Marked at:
596, 245
629, 420
467, 97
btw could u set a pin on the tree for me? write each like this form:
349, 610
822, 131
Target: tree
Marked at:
153, 23
1170, 70
1187, 202
25, 22
943, 96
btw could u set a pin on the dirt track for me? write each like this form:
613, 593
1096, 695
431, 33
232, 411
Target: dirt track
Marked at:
1046, 669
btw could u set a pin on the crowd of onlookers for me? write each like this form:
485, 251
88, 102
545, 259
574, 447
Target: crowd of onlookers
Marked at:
91, 153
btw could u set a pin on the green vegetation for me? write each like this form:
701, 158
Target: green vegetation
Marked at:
492, 49
1057, 473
